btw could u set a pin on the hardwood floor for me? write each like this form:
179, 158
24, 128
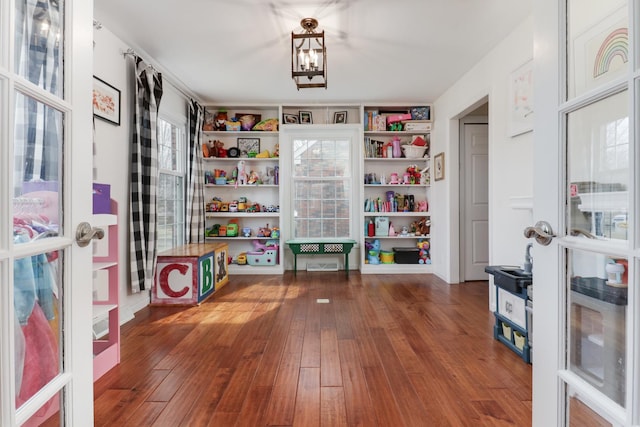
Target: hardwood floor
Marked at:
384, 351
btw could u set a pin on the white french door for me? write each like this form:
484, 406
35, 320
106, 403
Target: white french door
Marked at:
586, 92
45, 189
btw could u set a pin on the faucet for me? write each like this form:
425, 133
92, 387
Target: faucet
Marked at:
528, 259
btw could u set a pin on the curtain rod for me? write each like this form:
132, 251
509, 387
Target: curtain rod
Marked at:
131, 52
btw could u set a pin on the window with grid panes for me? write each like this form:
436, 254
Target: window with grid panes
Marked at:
171, 191
322, 187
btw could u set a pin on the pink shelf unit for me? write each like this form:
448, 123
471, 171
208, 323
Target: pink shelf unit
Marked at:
106, 350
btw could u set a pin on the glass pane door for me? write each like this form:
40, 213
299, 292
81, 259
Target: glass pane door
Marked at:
597, 250
45, 362
37, 278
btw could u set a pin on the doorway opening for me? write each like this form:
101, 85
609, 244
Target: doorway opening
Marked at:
474, 193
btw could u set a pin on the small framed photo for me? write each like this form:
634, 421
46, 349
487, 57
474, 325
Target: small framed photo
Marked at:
340, 117
438, 173
305, 117
208, 124
248, 145
290, 119
106, 101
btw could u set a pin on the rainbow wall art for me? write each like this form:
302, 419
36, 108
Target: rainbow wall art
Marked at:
616, 44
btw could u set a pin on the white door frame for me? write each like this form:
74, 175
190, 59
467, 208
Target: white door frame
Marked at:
453, 176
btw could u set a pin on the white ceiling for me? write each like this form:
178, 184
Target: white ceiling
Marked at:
378, 50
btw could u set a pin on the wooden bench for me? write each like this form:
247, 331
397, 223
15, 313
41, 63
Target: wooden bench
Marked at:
320, 247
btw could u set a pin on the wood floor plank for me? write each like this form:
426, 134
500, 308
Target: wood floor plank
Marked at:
103, 407
382, 399
333, 411
402, 390
386, 350
206, 401
282, 405
358, 404
307, 410
267, 371
136, 397
255, 407
311, 350
344, 330
145, 415
238, 387
331, 376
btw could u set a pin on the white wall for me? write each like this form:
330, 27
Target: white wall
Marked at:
113, 142
510, 159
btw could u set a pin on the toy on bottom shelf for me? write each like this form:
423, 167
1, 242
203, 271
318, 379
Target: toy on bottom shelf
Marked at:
263, 253
423, 256
373, 251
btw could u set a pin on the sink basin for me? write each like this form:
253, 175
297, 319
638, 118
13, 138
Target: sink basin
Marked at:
511, 278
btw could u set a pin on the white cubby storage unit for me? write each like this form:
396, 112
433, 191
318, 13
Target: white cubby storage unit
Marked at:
246, 196
383, 200
106, 318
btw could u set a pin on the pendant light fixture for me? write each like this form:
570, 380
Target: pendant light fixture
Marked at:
309, 56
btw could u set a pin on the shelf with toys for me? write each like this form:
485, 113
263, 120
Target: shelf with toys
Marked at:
242, 192
395, 191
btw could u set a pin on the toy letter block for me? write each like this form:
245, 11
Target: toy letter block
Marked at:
174, 281
189, 274
206, 276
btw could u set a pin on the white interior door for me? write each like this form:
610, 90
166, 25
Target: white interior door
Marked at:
45, 111
475, 201
585, 281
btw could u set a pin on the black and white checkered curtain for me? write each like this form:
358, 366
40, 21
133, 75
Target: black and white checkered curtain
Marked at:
38, 57
144, 176
195, 177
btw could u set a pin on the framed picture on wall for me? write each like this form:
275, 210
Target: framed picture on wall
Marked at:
248, 145
521, 100
305, 117
340, 117
290, 119
106, 101
438, 173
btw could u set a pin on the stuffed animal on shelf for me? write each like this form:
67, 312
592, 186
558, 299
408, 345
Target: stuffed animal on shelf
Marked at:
221, 118
220, 151
423, 227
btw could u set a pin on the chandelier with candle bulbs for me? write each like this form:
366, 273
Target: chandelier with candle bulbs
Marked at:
309, 56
